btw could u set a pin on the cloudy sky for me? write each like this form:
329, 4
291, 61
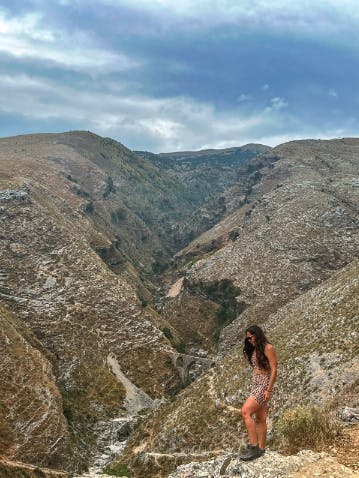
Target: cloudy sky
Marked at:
167, 75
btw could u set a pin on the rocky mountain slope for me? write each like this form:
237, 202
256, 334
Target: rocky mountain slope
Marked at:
206, 173
297, 224
31, 405
205, 177
87, 227
11, 469
316, 336
290, 250
86, 319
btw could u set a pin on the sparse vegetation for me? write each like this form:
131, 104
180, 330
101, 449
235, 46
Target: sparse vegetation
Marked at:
89, 207
305, 427
224, 293
119, 215
117, 470
176, 343
167, 333
180, 347
233, 235
110, 187
159, 266
6, 432
82, 193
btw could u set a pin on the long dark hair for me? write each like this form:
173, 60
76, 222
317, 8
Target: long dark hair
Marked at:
261, 341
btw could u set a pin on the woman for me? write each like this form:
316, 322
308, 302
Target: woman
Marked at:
262, 357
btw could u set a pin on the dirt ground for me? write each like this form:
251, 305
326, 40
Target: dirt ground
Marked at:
343, 460
346, 448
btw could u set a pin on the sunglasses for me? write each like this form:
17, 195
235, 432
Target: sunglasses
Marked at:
250, 337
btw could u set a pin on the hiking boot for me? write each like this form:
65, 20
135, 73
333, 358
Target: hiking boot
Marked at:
251, 454
261, 451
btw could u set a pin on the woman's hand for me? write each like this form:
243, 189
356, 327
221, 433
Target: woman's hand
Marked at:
267, 395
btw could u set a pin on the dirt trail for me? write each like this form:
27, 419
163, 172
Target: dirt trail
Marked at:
346, 448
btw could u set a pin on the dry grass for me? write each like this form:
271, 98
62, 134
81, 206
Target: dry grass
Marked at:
306, 427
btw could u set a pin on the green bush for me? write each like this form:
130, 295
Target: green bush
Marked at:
167, 333
305, 427
180, 347
159, 266
119, 215
224, 293
117, 470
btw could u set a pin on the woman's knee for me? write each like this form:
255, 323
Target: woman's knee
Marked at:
245, 412
261, 417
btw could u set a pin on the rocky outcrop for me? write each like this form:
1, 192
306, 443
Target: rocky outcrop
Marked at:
271, 465
14, 195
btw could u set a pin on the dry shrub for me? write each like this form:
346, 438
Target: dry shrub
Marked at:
306, 427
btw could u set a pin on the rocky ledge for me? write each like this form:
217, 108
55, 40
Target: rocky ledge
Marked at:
272, 465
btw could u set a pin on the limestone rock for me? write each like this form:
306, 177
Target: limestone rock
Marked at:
271, 465
348, 414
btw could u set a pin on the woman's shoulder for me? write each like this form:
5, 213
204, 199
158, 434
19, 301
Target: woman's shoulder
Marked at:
269, 347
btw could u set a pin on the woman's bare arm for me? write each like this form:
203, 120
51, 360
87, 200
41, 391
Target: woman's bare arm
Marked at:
271, 355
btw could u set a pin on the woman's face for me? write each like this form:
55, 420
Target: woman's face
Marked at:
251, 338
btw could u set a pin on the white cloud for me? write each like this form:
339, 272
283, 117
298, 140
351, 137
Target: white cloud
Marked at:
312, 18
158, 125
27, 26
26, 37
244, 98
167, 124
277, 104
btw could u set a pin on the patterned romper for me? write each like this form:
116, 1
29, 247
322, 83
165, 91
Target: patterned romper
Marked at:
260, 381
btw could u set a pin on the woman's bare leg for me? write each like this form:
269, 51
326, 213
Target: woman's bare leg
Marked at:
250, 407
261, 422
